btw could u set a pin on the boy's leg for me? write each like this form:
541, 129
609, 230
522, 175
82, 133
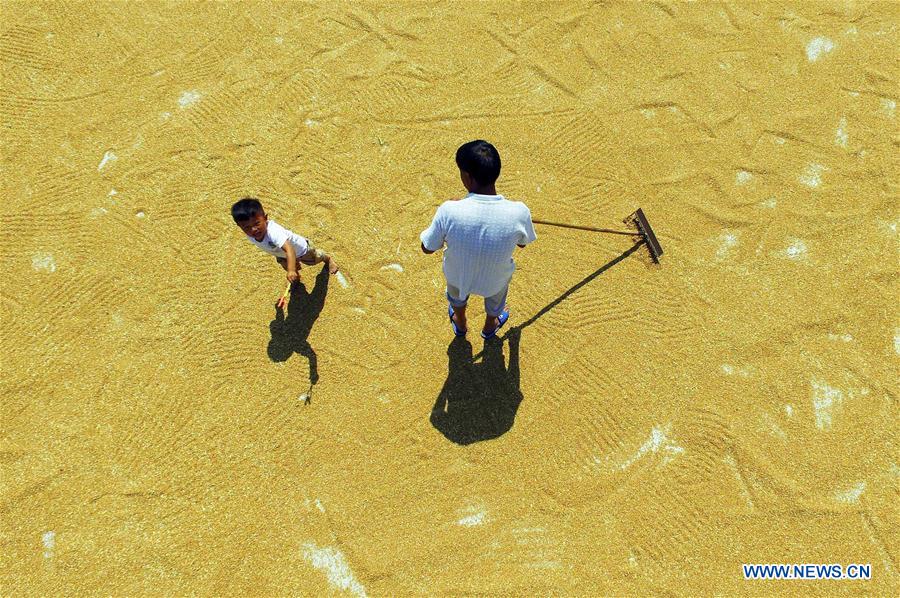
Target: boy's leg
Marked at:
458, 305
315, 256
493, 307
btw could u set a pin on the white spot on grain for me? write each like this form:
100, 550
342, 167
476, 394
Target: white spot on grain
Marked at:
279, 40
840, 137
852, 494
789, 410
112, 192
331, 561
304, 398
727, 241
888, 226
657, 442
188, 98
728, 370
853, 94
648, 113
43, 261
897, 341
320, 506
770, 203
812, 176
632, 560
342, 280
49, 35
851, 30
311, 123
475, 518
97, 212
818, 48
140, 215
796, 250
773, 426
846, 338
732, 464
164, 116
48, 539
888, 106
825, 398
107, 158
359, 310
743, 177
394, 267
780, 140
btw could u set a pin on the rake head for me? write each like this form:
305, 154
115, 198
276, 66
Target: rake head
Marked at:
639, 221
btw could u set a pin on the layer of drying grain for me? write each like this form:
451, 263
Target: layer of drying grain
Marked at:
650, 432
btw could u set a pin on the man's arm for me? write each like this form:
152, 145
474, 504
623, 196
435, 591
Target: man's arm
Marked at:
433, 235
529, 234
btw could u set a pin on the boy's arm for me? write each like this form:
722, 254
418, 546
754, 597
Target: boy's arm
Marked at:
291, 257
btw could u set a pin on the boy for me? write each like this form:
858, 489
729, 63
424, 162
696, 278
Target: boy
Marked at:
290, 249
481, 231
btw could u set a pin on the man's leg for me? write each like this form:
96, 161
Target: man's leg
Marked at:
458, 305
493, 307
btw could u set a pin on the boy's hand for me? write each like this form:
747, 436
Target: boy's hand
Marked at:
292, 276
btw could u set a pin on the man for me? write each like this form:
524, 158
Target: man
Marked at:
480, 231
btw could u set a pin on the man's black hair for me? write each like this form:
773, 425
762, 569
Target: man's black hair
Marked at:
480, 159
245, 209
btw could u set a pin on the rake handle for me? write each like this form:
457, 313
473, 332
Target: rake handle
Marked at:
590, 228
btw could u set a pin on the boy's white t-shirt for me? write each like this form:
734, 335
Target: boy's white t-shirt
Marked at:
481, 232
276, 235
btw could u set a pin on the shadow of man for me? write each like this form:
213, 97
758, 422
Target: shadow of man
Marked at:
479, 400
290, 334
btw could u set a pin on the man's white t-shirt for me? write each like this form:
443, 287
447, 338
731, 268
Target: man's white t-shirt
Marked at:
276, 236
481, 232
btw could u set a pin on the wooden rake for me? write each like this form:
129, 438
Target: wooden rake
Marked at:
642, 231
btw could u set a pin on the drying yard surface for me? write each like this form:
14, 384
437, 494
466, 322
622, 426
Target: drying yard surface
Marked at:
647, 432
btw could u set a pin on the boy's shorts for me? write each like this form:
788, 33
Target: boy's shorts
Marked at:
313, 255
493, 306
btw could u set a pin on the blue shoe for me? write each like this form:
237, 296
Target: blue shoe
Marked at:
503, 318
456, 329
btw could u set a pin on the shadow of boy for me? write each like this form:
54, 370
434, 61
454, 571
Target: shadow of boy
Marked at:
290, 333
479, 400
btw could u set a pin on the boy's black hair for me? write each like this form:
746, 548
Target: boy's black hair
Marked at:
245, 209
480, 159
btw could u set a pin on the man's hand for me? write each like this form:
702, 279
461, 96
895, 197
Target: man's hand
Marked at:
292, 276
